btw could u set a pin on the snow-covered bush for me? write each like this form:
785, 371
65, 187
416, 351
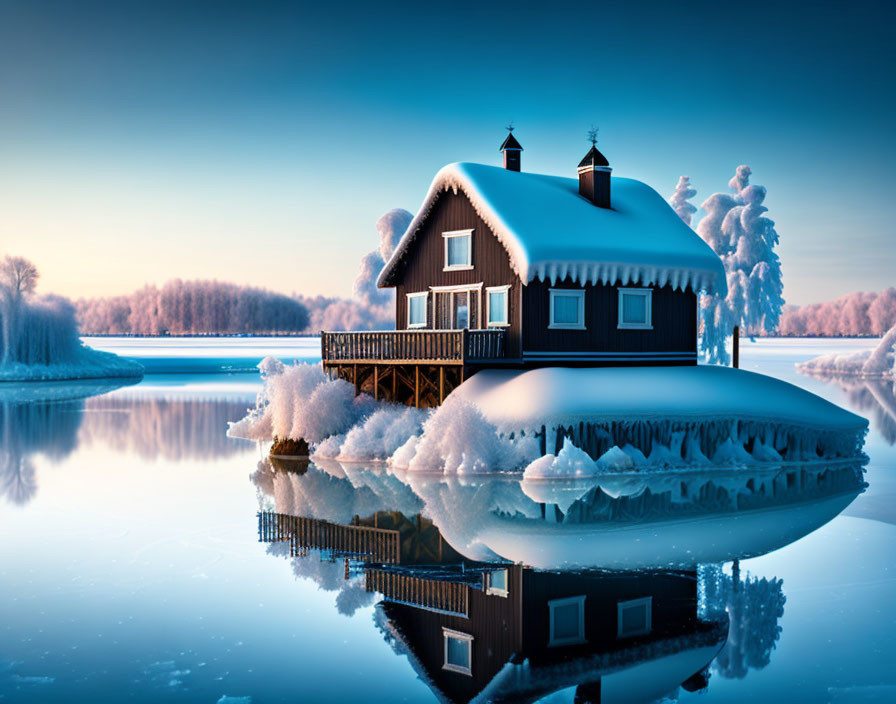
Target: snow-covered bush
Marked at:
457, 438
735, 227
377, 437
301, 402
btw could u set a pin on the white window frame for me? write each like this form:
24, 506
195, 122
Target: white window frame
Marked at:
575, 640
458, 267
457, 635
425, 296
648, 622
497, 591
647, 294
488, 304
578, 293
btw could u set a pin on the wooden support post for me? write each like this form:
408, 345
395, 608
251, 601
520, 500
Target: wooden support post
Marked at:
355, 379
735, 348
394, 398
416, 386
376, 382
441, 384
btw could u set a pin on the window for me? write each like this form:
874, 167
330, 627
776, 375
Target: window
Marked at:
567, 309
458, 250
634, 309
417, 310
497, 298
458, 651
496, 583
633, 617
567, 617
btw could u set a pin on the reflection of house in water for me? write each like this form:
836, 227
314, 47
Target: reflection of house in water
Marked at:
502, 632
481, 596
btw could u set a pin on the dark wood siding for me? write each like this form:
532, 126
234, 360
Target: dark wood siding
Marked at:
491, 264
674, 608
494, 622
674, 315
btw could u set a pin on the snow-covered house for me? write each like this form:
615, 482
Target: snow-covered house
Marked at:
512, 269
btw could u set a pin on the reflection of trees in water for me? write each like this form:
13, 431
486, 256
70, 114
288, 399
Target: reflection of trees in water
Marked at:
874, 397
171, 428
27, 428
754, 607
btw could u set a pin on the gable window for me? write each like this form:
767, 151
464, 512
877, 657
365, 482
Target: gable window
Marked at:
567, 309
458, 651
417, 310
496, 583
496, 299
635, 309
634, 617
458, 250
567, 621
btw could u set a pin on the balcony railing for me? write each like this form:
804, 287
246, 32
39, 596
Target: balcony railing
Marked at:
413, 346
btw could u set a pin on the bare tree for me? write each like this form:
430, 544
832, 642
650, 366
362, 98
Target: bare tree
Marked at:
18, 279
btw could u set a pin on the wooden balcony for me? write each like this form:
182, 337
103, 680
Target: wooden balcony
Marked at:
421, 347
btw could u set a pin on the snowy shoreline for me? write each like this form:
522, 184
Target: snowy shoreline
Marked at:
560, 422
87, 364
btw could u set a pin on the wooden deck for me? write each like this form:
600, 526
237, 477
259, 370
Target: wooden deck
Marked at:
412, 347
414, 367
361, 542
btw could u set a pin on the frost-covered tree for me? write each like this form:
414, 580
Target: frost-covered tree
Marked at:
681, 197
18, 279
738, 231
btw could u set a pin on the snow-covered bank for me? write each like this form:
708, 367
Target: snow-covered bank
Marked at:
560, 422
664, 415
877, 362
84, 363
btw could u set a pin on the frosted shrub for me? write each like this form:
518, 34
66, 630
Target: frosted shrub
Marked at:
301, 402
458, 439
380, 435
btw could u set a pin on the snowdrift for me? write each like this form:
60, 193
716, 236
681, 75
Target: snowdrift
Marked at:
665, 416
85, 363
878, 362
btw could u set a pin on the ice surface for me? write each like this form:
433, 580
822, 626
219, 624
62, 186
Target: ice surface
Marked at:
551, 232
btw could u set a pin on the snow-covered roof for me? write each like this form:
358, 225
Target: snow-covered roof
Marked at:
551, 232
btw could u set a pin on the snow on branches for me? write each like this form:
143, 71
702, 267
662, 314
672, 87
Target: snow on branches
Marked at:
738, 231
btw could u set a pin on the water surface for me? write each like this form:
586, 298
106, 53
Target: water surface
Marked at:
147, 557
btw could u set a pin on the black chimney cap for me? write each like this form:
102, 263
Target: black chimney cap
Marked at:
594, 158
510, 143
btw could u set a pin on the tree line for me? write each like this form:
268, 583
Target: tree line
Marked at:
855, 314
193, 308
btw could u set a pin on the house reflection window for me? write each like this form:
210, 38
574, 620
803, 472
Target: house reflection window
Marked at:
496, 583
458, 651
567, 621
634, 618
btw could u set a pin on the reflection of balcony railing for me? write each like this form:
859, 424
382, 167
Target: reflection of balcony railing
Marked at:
412, 346
376, 544
448, 597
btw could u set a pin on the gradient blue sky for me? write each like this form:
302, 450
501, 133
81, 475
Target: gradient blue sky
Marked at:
258, 142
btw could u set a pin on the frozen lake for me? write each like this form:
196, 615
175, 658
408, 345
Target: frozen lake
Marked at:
147, 557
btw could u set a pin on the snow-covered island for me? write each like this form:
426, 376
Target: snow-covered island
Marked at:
546, 325
40, 339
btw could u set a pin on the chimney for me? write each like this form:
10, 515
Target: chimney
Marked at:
511, 150
594, 177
